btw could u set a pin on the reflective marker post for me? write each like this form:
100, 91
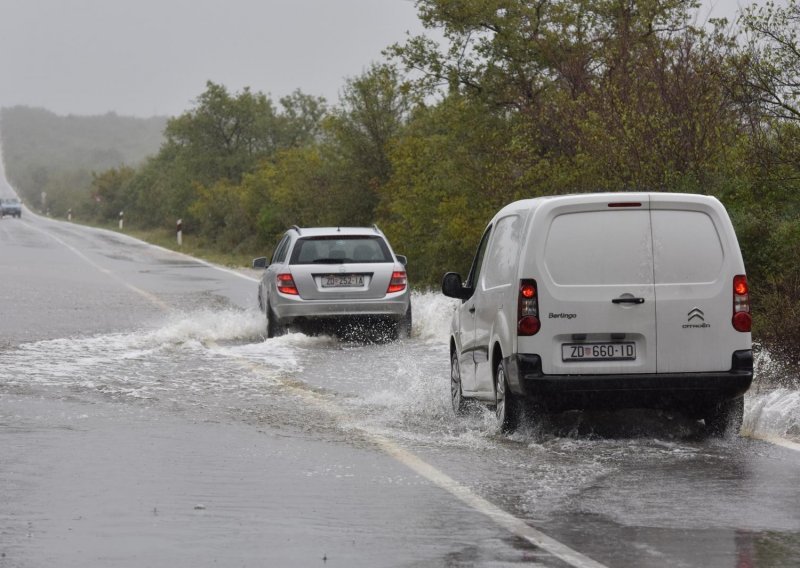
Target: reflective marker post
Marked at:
69, 214
121, 215
180, 232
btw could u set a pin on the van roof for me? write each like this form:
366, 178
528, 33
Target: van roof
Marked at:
622, 196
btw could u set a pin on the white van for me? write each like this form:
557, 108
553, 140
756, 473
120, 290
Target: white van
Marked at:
605, 301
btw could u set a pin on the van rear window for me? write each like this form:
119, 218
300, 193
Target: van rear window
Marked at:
686, 247
600, 247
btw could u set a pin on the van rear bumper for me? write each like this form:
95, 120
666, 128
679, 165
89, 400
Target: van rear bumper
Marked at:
692, 392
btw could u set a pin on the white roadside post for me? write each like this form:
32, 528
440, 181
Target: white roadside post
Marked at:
69, 214
121, 215
180, 232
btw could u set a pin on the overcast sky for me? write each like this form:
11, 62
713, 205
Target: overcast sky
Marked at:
148, 57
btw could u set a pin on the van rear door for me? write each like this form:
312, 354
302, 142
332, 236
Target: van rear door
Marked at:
696, 257
594, 271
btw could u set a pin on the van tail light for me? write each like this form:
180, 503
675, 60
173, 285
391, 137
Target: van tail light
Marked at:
742, 320
398, 282
286, 285
528, 308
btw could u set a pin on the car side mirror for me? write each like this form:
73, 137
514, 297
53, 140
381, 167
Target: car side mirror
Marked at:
452, 287
260, 262
402, 258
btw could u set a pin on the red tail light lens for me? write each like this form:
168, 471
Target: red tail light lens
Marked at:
528, 309
398, 282
286, 285
528, 325
742, 320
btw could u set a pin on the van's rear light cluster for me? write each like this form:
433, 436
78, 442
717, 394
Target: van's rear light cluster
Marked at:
398, 282
286, 285
742, 320
528, 311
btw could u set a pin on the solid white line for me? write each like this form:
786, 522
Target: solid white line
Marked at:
463, 493
777, 441
158, 302
501, 517
164, 249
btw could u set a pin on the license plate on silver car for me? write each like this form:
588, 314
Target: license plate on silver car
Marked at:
343, 281
625, 351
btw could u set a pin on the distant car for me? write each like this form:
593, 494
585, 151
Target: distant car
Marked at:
335, 279
11, 207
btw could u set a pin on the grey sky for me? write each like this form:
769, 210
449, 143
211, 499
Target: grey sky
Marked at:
146, 57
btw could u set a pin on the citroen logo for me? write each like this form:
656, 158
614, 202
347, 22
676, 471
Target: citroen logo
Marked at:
696, 313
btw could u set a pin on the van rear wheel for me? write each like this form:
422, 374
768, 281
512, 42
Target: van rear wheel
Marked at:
725, 418
506, 404
456, 394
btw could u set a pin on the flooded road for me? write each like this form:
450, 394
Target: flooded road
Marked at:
145, 421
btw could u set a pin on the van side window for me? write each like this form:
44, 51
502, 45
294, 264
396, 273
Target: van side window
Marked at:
502, 253
280, 251
474, 272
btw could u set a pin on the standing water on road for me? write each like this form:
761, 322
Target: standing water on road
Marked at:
218, 361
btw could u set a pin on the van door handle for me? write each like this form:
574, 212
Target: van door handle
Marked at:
627, 301
471, 310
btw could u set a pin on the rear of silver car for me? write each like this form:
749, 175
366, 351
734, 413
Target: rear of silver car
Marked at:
333, 278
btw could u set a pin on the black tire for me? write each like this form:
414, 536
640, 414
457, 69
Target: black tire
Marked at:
274, 327
507, 407
725, 418
456, 394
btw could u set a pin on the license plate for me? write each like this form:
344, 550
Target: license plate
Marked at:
343, 281
598, 351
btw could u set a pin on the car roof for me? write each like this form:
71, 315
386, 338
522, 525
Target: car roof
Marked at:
334, 231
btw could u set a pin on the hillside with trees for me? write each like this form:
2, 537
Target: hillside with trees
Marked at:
44, 152
520, 99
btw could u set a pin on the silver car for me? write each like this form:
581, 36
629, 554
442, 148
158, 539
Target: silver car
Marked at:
338, 279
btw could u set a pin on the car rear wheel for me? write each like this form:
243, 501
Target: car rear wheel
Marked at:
401, 329
506, 404
274, 328
456, 394
725, 418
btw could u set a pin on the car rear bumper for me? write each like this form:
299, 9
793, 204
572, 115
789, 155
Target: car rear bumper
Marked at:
677, 391
390, 308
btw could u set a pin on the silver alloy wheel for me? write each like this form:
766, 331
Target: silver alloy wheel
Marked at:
456, 395
500, 396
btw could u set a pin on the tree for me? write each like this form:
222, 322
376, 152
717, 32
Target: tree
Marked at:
224, 136
771, 68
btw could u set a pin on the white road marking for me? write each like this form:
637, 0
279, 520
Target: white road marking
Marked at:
463, 493
777, 441
144, 293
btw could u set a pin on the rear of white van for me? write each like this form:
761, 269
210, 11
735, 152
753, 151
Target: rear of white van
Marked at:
641, 301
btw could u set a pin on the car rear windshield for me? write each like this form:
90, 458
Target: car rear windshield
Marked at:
340, 249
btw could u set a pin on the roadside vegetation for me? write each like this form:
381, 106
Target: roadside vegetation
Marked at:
520, 99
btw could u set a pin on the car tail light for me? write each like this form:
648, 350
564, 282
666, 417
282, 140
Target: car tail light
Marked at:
286, 285
398, 282
528, 311
742, 320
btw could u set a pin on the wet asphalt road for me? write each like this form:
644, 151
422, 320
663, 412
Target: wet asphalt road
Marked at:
144, 421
